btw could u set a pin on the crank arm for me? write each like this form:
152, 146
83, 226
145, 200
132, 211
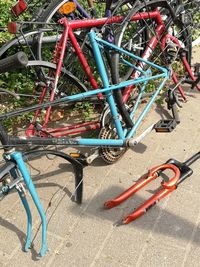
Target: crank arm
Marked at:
93, 156
134, 141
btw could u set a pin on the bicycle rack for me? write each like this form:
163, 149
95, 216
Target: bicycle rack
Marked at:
15, 166
181, 172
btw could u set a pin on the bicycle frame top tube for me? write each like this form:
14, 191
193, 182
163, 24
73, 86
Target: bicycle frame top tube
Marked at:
93, 22
70, 25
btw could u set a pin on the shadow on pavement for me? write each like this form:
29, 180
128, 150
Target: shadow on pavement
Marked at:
168, 224
21, 236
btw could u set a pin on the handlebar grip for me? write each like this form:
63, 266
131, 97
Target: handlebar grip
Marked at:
17, 61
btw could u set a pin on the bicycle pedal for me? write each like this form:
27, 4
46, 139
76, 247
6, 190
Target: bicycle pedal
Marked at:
165, 126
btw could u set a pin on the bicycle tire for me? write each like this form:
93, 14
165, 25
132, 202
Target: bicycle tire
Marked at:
51, 10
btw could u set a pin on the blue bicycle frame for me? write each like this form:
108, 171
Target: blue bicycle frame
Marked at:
124, 135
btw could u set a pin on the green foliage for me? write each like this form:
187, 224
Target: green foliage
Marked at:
196, 30
84, 110
4, 19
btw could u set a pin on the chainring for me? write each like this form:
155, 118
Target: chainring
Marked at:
109, 154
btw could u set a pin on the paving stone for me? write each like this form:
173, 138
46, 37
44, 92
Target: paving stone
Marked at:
161, 254
83, 243
32, 258
11, 236
66, 213
107, 260
192, 256
178, 219
4, 258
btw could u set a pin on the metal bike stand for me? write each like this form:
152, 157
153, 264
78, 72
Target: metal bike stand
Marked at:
181, 172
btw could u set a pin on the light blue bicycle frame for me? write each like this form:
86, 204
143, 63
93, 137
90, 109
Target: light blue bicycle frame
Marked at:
123, 134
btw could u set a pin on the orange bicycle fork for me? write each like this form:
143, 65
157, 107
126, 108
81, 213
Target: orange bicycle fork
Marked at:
181, 172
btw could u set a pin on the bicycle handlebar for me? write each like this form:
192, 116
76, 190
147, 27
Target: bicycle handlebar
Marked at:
16, 61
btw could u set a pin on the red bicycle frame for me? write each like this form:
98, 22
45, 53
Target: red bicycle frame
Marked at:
68, 33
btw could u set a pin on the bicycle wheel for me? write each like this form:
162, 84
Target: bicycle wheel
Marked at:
169, 55
44, 50
124, 39
29, 83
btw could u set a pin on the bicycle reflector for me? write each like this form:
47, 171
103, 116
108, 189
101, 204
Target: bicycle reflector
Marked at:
19, 8
13, 27
67, 8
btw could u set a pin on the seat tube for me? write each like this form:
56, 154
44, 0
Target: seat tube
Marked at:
104, 77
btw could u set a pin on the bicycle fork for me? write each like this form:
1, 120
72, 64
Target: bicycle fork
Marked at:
15, 166
181, 171
17, 157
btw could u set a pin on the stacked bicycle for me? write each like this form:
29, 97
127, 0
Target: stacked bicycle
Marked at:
137, 51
